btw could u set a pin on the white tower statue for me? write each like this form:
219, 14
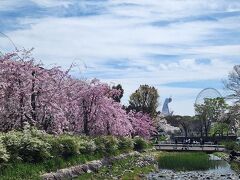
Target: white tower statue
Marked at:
165, 108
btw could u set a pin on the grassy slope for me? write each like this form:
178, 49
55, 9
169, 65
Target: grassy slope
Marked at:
32, 171
124, 169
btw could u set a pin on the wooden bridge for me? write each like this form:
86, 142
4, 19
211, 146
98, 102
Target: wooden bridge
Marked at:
190, 147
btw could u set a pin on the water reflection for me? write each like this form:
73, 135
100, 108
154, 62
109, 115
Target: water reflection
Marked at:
215, 165
219, 166
217, 169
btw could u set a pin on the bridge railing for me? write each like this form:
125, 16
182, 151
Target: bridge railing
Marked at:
189, 146
170, 142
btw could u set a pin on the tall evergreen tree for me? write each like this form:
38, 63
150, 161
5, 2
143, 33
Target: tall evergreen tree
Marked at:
144, 99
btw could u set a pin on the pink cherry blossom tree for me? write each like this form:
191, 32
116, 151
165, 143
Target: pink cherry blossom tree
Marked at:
28, 92
52, 100
142, 124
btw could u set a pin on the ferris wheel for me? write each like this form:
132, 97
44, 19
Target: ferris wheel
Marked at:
207, 93
6, 44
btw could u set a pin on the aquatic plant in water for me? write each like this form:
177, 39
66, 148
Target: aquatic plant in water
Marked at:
185, 161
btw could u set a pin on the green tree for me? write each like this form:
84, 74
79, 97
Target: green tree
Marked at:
144, 99
233, 83
187, 124
212, 110
118, 97
220, 128
232, 118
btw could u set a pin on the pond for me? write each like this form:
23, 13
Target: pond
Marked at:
179, 166
219, 165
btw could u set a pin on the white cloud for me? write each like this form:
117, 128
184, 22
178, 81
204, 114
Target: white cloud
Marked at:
52, 3
13, 4
6, 4
224, 50
125, 32
173, 8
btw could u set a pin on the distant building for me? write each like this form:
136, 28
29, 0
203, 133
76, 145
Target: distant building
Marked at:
165, 108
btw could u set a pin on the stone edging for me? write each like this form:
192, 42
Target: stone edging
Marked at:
92, 166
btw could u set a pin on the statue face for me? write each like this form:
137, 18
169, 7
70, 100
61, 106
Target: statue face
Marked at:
169, 99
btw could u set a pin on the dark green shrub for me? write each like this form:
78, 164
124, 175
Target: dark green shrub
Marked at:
87, 146
100, 144
125, 144
4, 156
12, 141
111, 145
64, 145
231, 145
140, 144
24, 146
162, 138
235, 166
33, 149
107, 145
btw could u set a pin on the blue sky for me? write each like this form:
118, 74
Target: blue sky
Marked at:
178, 46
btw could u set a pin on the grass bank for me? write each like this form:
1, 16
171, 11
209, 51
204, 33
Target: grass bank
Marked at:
29, 154
125, 169
235, 166
24, 170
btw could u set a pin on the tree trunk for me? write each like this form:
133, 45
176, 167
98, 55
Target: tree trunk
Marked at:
21, 105
206, 127
33, 99
108, 129
85, 120
185, 132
